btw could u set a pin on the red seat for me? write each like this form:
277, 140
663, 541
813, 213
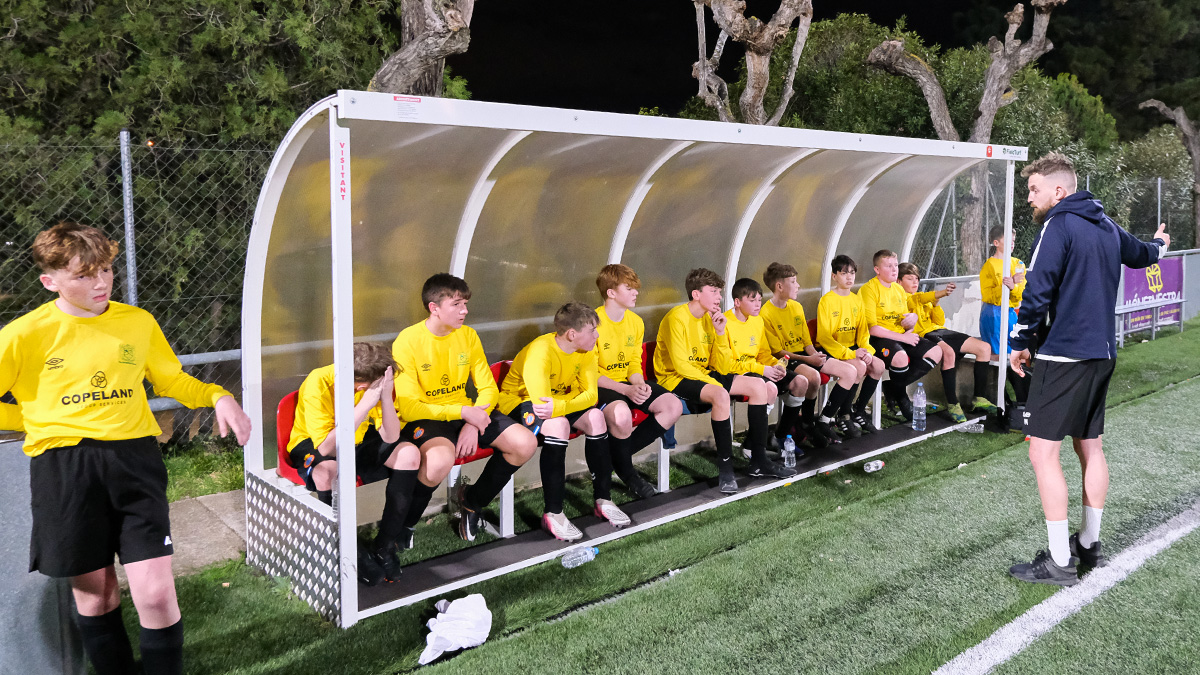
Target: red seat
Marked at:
285, 417
499, 372
647, 375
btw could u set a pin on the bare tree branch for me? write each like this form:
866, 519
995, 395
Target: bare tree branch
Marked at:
892, 57
712, 89
1191, 140
789, 80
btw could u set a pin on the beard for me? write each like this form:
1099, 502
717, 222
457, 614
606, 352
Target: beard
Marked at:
1039, 214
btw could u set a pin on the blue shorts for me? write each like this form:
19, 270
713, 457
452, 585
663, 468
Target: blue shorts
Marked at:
989, 325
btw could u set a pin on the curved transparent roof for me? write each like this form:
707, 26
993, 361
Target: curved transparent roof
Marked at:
528, 203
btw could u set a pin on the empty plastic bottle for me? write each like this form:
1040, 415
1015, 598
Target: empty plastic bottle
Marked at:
579, 556
873, 466
789, 452
972, 428
918, 405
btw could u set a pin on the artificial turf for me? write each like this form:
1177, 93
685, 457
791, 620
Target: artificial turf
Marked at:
896, 571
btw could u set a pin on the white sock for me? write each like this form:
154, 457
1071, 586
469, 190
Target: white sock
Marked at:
794, 401
1090, 532
1060, 548
826, 419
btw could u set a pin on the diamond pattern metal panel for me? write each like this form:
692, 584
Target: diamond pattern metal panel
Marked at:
285, 538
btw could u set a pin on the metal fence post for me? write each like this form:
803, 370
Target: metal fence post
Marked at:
127, 188
1159, 219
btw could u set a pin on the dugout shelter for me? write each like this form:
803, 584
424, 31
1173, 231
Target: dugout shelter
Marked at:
369, 194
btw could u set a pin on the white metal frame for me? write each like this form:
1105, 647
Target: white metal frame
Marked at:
520, 121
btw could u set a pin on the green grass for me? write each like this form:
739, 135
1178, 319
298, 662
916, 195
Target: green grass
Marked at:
203, 466
896, 571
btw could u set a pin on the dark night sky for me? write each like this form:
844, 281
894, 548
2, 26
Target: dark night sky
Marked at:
627, 54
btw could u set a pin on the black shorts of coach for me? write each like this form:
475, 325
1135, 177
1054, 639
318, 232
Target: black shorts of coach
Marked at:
1067, 399
606, 396
887, 349
420, 431
369, 458
689, 390
98, 499
953, 338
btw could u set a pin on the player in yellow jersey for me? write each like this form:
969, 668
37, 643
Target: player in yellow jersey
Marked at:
842, 333
931, 325
76, 367
378, 452
992, 282
907, 355
789, 336
551, 389
622, 386
434, 361
751, 350
693, 361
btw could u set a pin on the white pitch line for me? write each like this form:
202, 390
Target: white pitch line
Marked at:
1018, 634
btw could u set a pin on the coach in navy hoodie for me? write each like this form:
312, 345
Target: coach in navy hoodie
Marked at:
1067, 314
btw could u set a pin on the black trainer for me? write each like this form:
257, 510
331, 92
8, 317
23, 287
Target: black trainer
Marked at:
387, 557
816, 438
1088, 557
860, 418
469, 519
1043, 570
639, 486
826, 429
905, 407
406, 539
765, 468
726, 482
848, 428
370, 572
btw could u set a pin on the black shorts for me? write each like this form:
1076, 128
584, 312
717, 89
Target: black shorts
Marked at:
781, 384
689, 390
606, 396
369, 457
1067, 399
887, 349
95, 500
953, 338
523, 415
421, 431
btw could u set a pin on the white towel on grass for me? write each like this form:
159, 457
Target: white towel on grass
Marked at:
461, 624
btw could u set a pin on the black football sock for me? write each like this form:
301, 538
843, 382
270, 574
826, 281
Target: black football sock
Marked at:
397, 499
598, 453
325, 496
756, 435
808, 410
106, 643
643, 434
491, 481
421, 494
834, 404
788, 420
866, 394
162, 649
848, 403
983, 372
950, 385
723, 437
554, 473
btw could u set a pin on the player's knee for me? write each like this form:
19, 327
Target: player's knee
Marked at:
618, 418
717, 397
556, 428
592, 422
799, 385
405, 457
518, 445
436, 464
324, 474
155, 595
667, 408
900, 360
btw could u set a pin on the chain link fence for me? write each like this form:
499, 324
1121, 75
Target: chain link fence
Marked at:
192, 209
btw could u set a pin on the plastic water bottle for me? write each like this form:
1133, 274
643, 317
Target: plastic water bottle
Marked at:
918, 403
873, 466
972, 428
789, 452
579, 556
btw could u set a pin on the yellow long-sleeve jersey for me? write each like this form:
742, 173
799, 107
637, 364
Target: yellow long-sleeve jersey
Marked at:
543, 369
619, 349
748, 344
884, 306
787, 328
314, 410
432, 373
991, 281
81, 377
842, 325
930, 316
688, 348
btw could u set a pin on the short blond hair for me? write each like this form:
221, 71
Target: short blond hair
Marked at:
1053, 164
53, 249
371, 361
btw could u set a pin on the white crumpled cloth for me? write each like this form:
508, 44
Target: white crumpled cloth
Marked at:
461, 624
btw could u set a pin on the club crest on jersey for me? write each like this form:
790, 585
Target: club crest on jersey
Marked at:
629, 341
462, 359
128, 355
528, 418
99, 380
796, 321
308, 461
54, 364
753, 340
418, 432
886, 352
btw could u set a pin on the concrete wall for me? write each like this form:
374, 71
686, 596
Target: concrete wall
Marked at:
37, 630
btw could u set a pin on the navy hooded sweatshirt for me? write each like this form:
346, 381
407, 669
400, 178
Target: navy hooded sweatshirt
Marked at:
1068, 310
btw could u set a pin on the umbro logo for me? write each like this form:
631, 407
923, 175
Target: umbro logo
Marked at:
426, 366
54, 364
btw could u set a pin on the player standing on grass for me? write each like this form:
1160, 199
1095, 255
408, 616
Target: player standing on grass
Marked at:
76, 366
1072, 277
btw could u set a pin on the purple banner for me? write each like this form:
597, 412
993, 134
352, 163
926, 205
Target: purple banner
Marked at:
1158, 282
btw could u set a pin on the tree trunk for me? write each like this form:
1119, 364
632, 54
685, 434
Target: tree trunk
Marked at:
971, 236
431, 30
